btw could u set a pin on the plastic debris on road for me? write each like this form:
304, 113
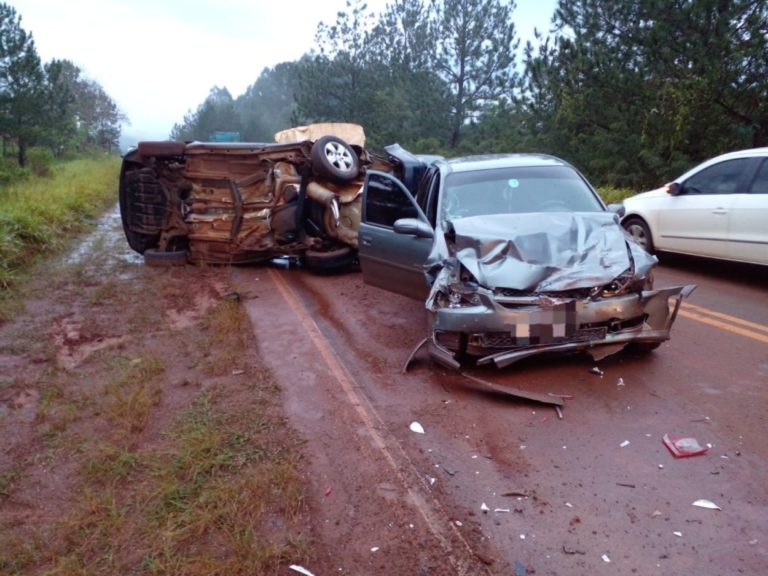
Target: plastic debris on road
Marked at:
606, 559
708, 504
484, 508
300, 570
597, 371
416, 427
683, 447
624, 444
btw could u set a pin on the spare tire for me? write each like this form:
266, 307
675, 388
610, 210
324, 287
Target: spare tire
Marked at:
334, 159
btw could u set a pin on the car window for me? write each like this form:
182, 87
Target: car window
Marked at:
760, 183
517, 190
386, 201
722, 178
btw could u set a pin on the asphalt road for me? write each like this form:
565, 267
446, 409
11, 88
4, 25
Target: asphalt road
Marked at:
594, 492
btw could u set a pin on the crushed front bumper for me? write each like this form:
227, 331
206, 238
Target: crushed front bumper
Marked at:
502, 334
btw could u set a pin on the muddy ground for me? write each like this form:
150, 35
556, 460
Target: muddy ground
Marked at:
494, 485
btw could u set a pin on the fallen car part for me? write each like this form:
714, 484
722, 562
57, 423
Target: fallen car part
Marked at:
516, 393
683, 447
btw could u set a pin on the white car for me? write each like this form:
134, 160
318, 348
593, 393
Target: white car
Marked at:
719, 209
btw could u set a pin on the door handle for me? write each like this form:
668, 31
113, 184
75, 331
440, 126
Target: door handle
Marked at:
720, 211
366, 240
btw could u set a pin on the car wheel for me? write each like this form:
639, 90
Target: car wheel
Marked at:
329, 261
640, 233
142, 208
160, 259
335, 159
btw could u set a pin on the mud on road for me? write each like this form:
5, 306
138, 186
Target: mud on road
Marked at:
494, 485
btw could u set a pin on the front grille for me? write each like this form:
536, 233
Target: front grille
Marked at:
504, 340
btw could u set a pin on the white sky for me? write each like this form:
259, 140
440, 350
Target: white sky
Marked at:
158, 59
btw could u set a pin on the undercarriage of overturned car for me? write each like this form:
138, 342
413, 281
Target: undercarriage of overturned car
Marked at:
233, 203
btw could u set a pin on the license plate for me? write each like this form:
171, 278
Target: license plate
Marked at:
546, 325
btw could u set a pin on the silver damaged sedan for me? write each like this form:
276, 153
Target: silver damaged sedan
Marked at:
515, 256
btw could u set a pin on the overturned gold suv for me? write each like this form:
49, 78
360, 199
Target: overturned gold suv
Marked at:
248, 202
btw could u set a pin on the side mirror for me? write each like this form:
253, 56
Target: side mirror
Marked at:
617, 209
413, 227
673, 188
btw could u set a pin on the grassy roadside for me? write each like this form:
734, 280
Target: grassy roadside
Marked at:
40, 215
142, 434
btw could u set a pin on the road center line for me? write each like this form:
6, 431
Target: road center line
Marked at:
709, 317
732, 319
373, 422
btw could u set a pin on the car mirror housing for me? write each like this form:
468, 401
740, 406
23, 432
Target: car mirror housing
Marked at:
673, 188
617, 209
413, 227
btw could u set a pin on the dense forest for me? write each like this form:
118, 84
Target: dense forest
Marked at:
47, 108
632, 92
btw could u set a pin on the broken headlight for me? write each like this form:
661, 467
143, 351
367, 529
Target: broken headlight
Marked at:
622, 284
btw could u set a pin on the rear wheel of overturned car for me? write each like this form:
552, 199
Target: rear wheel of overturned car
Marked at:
334, 159
329, 261
161, 259
640, 233
142, 207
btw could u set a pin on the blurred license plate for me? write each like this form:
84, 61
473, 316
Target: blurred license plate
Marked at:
546, 325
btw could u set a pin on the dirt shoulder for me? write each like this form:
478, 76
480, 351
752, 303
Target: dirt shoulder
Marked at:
145, 433
141, 432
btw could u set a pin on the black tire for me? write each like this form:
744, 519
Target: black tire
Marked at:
159, 259
640, 232
330, 261
334, 159
143, 207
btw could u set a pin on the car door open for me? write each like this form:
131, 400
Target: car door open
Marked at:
392, 257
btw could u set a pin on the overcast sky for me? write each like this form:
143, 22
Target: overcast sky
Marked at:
158, 59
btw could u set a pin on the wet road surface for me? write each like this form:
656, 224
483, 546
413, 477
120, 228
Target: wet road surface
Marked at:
595, 492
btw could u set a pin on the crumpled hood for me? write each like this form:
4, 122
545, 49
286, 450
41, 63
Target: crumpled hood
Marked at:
541, 252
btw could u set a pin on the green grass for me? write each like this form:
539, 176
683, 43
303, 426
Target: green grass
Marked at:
40, 215
611, 195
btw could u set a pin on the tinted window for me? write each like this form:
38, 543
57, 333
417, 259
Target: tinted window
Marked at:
517, 190
760, 183
722, 178
387, 202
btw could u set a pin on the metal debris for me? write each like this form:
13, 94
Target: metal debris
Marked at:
683, 447
708, 504
416, 427
516, 392
300, 570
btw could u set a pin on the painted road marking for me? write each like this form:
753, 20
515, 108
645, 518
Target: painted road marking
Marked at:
373, 423
725, 322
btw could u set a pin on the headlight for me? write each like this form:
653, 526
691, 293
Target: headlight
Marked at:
462, 294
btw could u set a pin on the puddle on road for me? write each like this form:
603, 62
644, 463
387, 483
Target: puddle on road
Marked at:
107, 241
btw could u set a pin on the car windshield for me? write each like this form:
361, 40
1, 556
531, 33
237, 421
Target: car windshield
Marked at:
516, 190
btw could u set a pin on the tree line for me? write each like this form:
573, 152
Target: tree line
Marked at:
52, 105
632, 92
